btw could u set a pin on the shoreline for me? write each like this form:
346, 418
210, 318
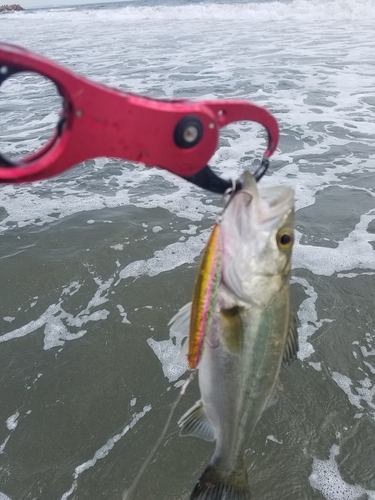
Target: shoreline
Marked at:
9, 8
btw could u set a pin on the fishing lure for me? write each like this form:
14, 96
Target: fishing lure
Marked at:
204, 297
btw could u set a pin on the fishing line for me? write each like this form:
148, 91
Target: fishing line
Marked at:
127, 494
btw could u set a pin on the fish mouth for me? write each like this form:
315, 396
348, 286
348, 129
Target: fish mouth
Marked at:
252, 258
270, 203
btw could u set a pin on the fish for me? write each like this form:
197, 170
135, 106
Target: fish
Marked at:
251, 332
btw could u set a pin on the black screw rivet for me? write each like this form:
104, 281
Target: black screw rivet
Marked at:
188, 132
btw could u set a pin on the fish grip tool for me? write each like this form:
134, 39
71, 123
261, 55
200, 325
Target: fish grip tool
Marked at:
97, 121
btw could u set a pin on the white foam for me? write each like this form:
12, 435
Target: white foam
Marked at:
3, 496
168, 351
354, 275
12, 421
308, 319
326, 478
123, 314
71, 289
56, 321
297, 10
370, 367
354, 251
171, 257
9, 318
360, 391
367, 352
192, 229
316, 366
103, 451
2, 447
273, 439
185, 203
37, 377
345, 384
171, 352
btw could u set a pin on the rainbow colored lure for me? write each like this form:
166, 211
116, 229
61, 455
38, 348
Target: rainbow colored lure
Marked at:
205, 293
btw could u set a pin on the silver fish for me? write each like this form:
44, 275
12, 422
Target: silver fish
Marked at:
251, 334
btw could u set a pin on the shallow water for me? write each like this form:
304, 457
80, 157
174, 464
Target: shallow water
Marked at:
95, 262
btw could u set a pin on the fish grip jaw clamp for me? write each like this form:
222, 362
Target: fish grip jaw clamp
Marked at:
229, 112
207, 179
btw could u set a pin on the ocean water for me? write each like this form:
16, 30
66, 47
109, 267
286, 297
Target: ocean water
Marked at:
95, 262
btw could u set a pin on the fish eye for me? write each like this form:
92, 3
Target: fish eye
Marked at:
285, 239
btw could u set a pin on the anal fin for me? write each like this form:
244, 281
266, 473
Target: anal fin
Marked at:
195, 423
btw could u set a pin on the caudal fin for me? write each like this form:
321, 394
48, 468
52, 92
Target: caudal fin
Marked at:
215, 484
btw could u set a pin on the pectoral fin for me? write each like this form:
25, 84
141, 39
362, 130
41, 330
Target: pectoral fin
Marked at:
180, 323
232, 329
291, 346
181, 320
196, 423
184, 350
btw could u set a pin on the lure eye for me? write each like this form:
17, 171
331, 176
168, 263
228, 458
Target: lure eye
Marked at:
285, 239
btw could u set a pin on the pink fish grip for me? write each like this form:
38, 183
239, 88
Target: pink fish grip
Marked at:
97, 121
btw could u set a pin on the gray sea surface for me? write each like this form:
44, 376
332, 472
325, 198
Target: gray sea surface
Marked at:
95, 262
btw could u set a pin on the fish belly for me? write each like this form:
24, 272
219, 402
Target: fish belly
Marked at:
236, 386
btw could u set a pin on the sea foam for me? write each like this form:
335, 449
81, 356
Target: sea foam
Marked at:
297, 10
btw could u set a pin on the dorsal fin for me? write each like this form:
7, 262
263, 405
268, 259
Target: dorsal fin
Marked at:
291, 346
181, 320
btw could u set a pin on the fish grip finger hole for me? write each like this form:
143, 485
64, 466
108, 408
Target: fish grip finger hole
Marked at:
32, 115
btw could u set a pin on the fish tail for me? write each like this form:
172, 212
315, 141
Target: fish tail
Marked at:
215, 484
